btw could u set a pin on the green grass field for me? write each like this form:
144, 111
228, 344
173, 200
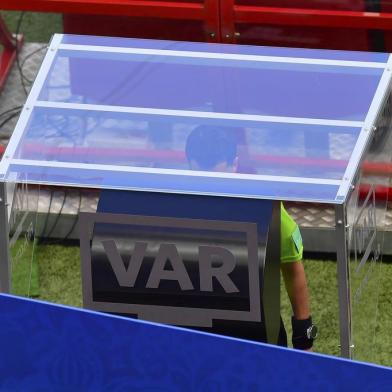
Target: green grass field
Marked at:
58, 280
36, 27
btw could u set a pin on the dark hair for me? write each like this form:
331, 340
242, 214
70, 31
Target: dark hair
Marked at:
209, 145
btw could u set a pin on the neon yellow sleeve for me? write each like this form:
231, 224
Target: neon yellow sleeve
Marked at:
291, 247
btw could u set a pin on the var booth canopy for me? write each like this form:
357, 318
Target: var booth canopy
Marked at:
116, 113
204, 140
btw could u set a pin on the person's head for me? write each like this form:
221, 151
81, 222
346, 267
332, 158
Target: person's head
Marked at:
212, 148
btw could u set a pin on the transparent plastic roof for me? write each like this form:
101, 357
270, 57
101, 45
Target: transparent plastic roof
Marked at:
227, 120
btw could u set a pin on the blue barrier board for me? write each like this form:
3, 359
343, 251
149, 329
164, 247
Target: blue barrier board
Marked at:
47, 347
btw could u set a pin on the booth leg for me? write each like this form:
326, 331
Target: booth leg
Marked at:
5, 279
343, 274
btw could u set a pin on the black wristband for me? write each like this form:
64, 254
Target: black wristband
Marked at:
300, 339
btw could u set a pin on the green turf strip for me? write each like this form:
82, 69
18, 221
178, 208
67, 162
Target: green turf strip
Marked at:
36, 27
24, 269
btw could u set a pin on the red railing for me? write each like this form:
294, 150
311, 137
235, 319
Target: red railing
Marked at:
162, 9
8, 55
312, 17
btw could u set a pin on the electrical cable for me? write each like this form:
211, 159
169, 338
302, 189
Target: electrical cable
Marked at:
22, 77
11, 110
58, 216
11, 115
46, 238
28, 56
76, 217
46, 218
136, 77
9, 118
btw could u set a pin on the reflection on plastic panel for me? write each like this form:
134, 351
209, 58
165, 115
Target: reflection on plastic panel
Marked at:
366, 247
22, 240
328, 92
164, 142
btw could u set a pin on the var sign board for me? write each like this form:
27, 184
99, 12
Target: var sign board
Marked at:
184, 267
179, 270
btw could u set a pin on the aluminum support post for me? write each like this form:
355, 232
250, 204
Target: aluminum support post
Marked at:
5, 278
343, 274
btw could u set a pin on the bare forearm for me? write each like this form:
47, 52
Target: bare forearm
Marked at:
297, 289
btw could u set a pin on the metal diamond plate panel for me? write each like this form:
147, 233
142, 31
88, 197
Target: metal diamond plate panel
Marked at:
320, 216
312, 215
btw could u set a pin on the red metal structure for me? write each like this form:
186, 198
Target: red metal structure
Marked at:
189, 19
142, 8
333, 24
8, 54
329, 24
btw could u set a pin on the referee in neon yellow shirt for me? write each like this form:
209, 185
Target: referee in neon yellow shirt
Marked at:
214, 149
